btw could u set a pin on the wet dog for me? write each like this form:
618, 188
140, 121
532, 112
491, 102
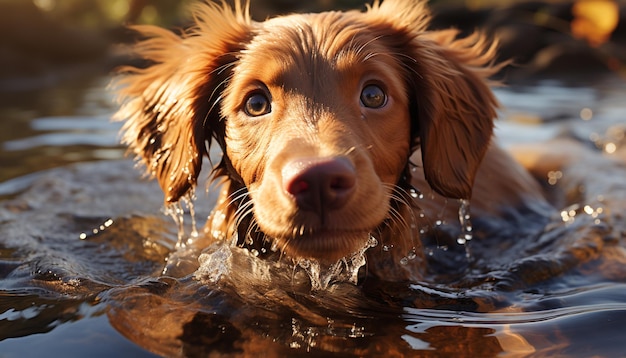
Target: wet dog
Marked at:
335, 128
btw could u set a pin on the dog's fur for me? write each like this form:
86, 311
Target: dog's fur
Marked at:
313, 171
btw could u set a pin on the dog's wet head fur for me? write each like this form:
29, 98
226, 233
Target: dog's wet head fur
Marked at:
317, 115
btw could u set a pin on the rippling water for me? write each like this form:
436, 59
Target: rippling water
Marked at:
89, 265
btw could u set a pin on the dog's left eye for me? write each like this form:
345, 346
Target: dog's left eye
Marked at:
257, 104
373, 96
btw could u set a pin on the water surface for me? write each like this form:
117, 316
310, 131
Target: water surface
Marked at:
89, 264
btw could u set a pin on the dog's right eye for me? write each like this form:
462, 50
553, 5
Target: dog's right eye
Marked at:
257, 104
373, 96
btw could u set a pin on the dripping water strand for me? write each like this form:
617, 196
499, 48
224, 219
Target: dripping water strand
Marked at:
183, 258
189, 200
466, 225
177, 212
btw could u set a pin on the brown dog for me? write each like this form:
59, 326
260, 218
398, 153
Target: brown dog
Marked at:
327, 123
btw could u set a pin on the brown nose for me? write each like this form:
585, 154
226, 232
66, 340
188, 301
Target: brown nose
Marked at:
319, 184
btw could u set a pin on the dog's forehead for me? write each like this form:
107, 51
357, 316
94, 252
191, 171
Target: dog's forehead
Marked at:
315, 49
333, 39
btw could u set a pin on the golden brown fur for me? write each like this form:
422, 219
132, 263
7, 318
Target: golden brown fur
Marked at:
312, 68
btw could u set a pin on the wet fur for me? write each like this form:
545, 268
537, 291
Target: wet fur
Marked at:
434, 134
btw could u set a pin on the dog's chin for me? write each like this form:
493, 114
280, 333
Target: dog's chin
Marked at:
327, 246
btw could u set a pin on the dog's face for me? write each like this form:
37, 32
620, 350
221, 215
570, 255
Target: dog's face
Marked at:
317, 127
317, 116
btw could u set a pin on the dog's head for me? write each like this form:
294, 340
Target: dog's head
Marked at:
316, 114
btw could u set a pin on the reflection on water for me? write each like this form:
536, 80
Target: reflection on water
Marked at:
56, 126
83, 249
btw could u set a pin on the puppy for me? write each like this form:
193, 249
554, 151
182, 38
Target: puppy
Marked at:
335, 127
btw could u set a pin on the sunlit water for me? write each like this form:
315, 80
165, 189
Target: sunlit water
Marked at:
92, 264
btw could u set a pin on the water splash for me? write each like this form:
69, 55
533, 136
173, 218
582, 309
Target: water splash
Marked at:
214, 264
344, 270
304, 336
466, 225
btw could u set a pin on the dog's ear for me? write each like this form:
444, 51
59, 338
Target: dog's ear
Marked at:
453, 109
171, 106
452, 106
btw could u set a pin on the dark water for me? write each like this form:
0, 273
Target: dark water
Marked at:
89, 264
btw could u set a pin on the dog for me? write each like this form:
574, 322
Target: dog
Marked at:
335, 127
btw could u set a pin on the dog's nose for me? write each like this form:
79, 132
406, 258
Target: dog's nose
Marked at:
319, 184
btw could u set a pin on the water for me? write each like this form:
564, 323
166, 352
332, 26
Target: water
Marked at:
91, 265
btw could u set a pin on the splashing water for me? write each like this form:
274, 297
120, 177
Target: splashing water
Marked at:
466, 224
346, 269
215, 264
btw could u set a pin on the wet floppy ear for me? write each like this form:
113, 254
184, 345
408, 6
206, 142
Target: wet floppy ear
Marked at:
170, 107
452, 108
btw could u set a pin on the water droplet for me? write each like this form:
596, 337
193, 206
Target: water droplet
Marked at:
372, 242
415, 193
586, 114
610, 147
554, 176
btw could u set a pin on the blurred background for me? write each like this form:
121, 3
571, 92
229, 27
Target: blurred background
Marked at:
55, 57
45, 41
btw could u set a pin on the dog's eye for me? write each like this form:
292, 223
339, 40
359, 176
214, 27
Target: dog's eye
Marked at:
257, 104
373, 96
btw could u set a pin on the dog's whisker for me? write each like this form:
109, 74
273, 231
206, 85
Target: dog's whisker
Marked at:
349, 151
362, 47
238, 196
